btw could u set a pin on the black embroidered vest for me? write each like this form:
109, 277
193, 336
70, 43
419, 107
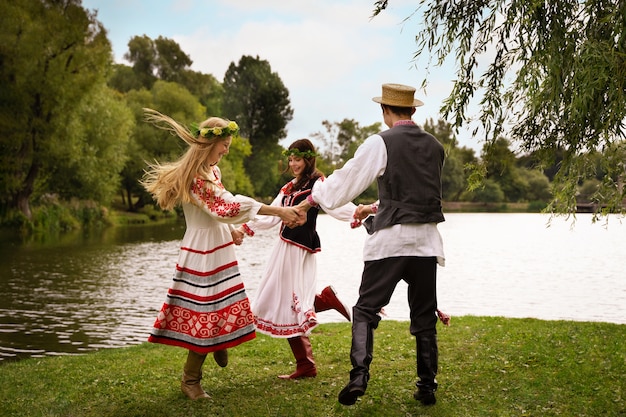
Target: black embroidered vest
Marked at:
304, 236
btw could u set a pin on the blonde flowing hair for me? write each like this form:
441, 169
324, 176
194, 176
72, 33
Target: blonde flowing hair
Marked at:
170, 183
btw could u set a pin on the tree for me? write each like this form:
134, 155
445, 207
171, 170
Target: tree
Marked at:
453, 178
52, 54
171, 61
234, 174
256, 98
557, 75
124, 79
488, 192
161, 59
342, 139
88, 163
142, 54
207, 88
538, 186
502, 168
149, 144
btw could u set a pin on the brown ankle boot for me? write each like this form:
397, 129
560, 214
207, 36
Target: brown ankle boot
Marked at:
192, 374
221, 357
328, 300
303, 352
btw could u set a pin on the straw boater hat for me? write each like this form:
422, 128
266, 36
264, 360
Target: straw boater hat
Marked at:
398, 95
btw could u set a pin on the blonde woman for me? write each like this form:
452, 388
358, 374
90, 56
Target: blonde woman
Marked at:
206, 309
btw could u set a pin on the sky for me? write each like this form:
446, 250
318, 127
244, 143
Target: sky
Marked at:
330, 54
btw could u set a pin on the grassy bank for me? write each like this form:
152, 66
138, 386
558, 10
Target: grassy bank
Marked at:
488, 367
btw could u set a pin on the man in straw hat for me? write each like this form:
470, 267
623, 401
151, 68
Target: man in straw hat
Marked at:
403, 242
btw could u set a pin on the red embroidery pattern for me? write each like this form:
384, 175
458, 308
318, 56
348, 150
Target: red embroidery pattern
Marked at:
293, 329
287, 188
214, 202
247, 229
295, 303
218, 180
203, 325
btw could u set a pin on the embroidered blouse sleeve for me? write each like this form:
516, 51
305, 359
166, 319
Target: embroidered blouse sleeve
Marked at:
219, 203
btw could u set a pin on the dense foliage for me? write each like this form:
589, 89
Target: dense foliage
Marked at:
53, 55
72, 128
553, 71
257, 98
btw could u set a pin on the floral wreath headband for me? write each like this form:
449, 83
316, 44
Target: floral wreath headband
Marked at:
232, 129
299, 154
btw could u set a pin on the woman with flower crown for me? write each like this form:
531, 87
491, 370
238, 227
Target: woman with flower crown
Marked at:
286, 303
206, 309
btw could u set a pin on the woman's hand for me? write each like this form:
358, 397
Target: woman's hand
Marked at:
293, 217
238, 236
304, 206
362, 211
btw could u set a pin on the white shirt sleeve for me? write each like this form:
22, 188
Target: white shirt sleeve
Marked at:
345, 184
343, 213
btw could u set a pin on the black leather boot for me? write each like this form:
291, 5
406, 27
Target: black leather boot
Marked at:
361, 358
427, 363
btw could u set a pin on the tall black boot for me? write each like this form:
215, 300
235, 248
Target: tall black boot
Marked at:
427, 364
361, 358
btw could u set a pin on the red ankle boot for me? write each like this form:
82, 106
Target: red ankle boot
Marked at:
328, 300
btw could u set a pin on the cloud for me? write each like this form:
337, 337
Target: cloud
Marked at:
330, 58
330, 54
327, 45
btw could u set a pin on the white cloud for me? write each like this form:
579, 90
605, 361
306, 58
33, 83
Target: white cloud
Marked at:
329, 54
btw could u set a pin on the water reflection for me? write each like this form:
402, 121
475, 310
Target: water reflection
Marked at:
84, 293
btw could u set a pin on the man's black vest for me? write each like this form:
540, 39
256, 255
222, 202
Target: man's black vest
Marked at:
410, 189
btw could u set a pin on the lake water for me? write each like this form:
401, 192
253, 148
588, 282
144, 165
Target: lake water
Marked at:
86, 293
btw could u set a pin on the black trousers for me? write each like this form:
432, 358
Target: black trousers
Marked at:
379, 280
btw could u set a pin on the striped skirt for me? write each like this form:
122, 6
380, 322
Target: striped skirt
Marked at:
206, 308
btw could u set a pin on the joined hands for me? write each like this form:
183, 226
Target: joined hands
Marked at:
294, 216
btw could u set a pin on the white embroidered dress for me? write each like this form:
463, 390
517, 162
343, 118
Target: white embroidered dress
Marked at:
283, 305
207, 308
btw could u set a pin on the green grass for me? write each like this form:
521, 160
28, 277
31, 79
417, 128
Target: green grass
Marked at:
489, 366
